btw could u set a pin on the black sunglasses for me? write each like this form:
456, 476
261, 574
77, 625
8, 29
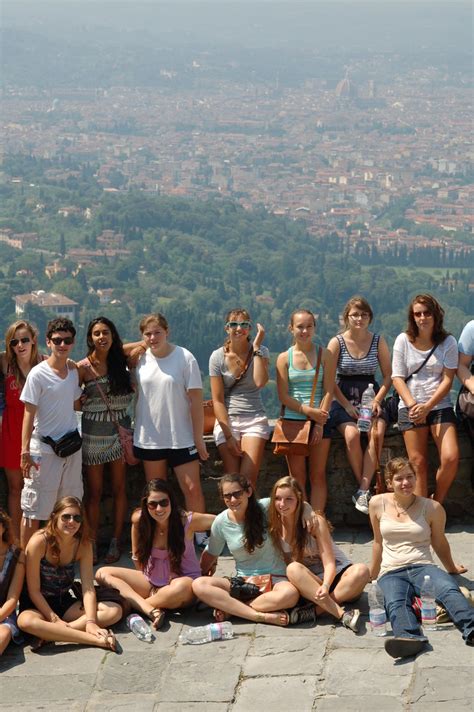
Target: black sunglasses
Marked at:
58, 340
71, 518
236, 494
23, 340
154, 503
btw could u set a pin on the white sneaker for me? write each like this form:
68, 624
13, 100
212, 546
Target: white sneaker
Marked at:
361, 501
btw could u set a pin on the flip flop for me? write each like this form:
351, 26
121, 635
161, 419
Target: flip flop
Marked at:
283, 620
111, 642
220, 616
157, 617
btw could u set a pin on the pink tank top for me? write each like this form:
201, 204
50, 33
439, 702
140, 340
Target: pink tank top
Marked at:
158, 570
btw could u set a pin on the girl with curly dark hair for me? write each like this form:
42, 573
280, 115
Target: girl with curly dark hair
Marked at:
107, 395
163, 553
425, 360
48, 609
243, 527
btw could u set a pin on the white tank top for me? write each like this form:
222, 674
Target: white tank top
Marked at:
405, 543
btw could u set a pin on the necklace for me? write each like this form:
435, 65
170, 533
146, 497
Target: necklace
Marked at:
403, 511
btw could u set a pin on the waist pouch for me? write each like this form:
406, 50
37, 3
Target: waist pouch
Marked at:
65, 446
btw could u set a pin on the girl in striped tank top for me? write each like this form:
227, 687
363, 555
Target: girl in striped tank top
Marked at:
359, 353
295, 373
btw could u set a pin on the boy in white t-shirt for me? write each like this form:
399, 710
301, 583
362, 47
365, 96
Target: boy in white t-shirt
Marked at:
50, 395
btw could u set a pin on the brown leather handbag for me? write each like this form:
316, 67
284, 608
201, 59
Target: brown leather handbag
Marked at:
295, 437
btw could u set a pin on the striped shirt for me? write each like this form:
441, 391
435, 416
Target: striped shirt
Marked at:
347, 365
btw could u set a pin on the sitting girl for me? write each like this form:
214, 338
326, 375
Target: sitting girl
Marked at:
319, 569
48, 609
243, 527
163, 553
12, 574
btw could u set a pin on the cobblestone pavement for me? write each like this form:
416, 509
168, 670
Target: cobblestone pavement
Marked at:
305, 668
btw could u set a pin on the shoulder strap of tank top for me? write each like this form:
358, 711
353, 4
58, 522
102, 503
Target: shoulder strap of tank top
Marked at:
383, 503
290, 357
342, 343
375, 343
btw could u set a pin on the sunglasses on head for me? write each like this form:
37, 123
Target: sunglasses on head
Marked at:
236, 494
71, 518
155, 503
23, 340
236, 324
58, 340
417, 314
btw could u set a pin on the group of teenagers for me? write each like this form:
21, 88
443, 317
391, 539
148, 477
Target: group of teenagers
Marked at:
284, 540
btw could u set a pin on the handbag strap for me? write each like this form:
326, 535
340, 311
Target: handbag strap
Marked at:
103, 396
315, 382
244, 370
424, 362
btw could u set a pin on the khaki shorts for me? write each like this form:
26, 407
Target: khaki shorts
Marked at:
55, 478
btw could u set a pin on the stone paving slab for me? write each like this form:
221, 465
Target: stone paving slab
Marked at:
306, 668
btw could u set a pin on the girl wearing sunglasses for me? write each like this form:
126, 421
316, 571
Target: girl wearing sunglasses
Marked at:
163, 553
48, 609
425, 360
238, 371
19, 357
243, 527
107, 395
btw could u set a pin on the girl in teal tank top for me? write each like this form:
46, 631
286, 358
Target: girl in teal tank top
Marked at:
295, 374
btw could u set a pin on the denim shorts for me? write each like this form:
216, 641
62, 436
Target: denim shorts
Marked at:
434, 417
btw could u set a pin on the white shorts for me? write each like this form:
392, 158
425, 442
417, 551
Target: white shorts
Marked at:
252, 426
56, 477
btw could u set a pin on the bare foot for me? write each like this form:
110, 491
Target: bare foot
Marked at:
280, 618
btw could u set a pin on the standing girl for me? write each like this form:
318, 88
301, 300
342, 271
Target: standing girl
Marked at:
238, 371
107, 395
425, 360
359, 353
296, 371
20, 356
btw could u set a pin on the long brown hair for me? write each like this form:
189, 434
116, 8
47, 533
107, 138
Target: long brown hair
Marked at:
51, 528
436, 310
7, 535
147, 526
228, 317
12, 362
359, 303
255, 524
308, 312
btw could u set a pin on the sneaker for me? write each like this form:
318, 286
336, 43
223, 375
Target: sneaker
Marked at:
350, 619
361, 501
404, 647
303, 614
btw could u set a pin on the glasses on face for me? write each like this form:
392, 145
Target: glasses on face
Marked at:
236, 494
425, 313
23, 340
237, 324
359, 315
71, 518
58, 340
155, 503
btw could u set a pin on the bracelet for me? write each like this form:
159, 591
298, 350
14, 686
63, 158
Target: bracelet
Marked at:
301, 408
25, 452
91, 620
325, 585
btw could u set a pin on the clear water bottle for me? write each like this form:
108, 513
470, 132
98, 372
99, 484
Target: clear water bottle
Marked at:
139, 627
428, 604
207, 633
34, 469
377, 615
364, 420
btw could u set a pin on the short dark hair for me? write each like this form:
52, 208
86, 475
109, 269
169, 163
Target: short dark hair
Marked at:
60, 324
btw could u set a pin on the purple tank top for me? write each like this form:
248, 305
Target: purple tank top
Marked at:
158, 570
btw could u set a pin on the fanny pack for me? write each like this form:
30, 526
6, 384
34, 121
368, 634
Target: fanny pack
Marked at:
65, 446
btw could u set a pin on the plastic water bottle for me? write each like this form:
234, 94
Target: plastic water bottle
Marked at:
139, 627
364, 420
377, 615
34, 469
428, 604
207, 633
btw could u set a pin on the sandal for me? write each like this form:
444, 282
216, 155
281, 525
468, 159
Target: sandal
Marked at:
39, 643
113, 553
111, 642
220, 616
282, 621
157, 617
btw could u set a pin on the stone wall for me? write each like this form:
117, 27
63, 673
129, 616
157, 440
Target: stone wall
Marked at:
341, 482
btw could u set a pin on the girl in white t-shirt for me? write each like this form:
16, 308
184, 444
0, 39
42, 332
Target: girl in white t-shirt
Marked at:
169, 412
425, 405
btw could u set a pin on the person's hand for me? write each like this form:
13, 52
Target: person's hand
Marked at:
96, 630
26, 463
322, 592
234, 446
318, 415
202, 450
260, 335
376, 409
459, 569
418, 413
351, 410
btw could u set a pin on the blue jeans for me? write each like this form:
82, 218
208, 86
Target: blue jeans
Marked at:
400, 586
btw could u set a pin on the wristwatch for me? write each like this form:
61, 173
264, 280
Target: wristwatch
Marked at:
258, 352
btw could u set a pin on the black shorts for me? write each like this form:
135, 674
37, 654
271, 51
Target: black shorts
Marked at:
59, 604
443, 415
338, 577
174, 457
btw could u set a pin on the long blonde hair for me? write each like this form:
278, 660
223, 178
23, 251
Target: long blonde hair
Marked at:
12, 362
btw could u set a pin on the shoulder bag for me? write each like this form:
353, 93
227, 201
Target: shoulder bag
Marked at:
295, 437
391, 403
